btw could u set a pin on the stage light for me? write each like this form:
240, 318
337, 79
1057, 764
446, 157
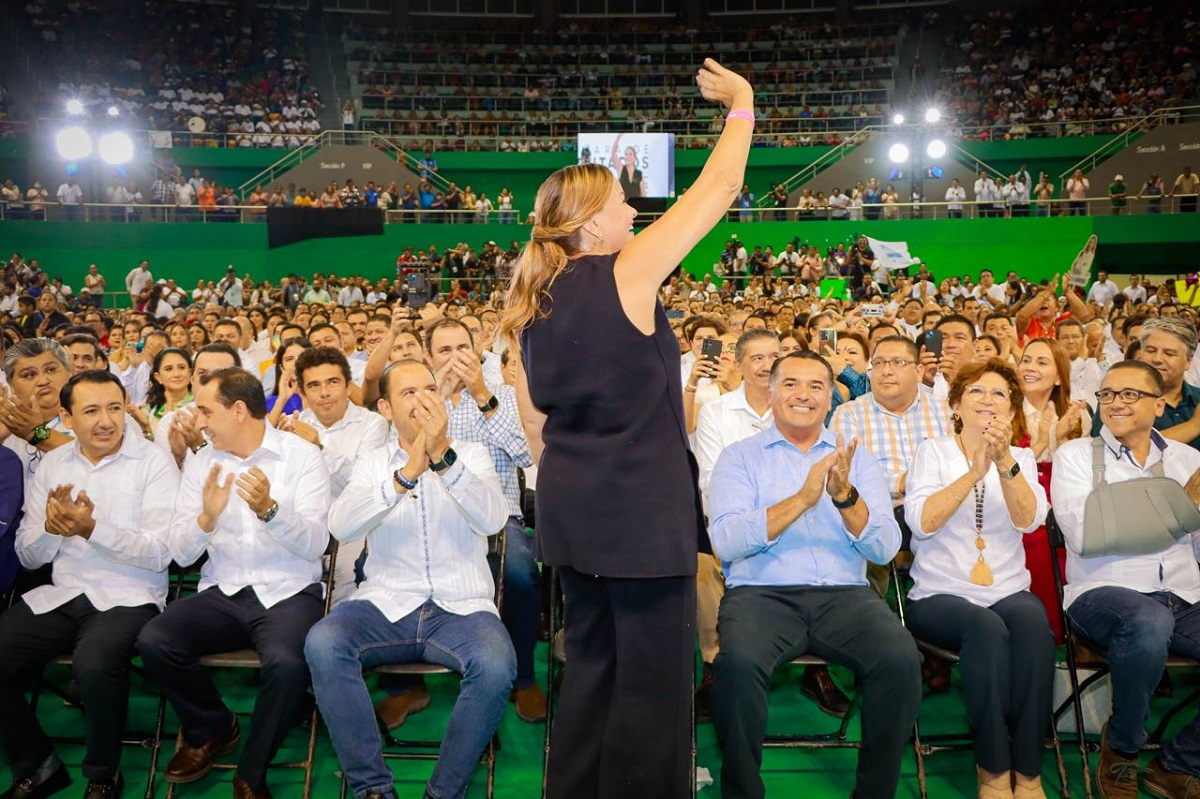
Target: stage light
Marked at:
898, 153
116, 148
898, 119
73, 143
936, 148
113, 111
74, 107
932, 116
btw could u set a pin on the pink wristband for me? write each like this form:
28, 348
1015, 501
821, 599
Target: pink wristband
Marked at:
740, 114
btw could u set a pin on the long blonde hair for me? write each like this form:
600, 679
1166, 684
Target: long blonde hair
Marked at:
564, 204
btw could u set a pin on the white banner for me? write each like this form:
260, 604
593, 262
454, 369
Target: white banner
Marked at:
892, 255
160, 139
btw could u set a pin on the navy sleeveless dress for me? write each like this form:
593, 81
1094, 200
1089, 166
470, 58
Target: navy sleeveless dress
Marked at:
616, 494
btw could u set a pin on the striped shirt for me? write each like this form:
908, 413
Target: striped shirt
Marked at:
892, 437
502, 435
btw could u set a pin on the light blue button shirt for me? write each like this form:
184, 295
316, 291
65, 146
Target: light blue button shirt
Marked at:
816, 549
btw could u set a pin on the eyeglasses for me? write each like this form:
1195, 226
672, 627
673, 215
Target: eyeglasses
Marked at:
895, 363
978, 392
1129, 396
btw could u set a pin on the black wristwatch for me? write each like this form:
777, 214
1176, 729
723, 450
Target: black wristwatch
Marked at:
448, 459
40, 434
491, 405
1010, 473
851, 498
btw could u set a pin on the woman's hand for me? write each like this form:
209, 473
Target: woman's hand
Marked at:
703, 367
981, 459
724, 86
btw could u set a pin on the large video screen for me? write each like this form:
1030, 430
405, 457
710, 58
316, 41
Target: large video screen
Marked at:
644, 163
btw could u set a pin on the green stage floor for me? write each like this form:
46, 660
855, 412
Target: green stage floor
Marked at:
814, 774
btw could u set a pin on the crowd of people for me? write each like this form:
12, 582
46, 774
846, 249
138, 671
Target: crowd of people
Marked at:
249, 79
800, 445
1046, 70
1022, 373
536, 90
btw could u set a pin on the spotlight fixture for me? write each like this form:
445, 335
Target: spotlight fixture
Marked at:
74, 107
936, 148
898, 153
116, 148
73, 143
113, 111
898, 119
932, 116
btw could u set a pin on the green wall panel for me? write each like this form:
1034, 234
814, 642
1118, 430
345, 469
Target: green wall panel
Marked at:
189, 251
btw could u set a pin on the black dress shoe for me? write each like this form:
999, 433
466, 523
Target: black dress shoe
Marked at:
105, 789
26, 788
818, 686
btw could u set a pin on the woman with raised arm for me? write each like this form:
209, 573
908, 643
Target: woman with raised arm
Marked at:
618, 510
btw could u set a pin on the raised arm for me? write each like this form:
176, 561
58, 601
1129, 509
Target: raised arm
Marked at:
647, 260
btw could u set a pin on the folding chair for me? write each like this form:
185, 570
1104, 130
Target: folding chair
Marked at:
428, 750
1084, 653
249, 659
152, 740
926, 745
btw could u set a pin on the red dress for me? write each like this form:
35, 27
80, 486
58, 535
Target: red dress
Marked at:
1037, 561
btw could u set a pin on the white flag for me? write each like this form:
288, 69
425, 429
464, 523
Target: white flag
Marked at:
160, 139
892, 255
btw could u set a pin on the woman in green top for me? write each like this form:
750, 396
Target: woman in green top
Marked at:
170, 389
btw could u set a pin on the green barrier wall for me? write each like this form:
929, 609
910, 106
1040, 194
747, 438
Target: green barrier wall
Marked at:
190, 251
522, 173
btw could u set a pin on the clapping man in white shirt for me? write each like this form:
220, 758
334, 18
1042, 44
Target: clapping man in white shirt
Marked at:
1140, 608
256, 502
426, 509
98, 511
343, 431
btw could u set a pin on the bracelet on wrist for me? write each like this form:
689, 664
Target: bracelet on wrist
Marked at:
741, 113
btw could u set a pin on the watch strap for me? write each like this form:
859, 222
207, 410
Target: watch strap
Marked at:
447, 460
1011, 472
39, 434
851, 498
492, 404
270, 514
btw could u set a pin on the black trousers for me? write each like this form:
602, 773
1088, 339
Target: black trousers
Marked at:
623, 728
210, 623
764, 627
101, 644
1006, 658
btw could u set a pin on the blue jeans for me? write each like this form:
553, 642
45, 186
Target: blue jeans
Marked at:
356, 635
1138, 630
522, 598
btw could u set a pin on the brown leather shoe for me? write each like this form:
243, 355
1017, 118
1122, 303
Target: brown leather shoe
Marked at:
191, 763
393, 710
1158, 781
530, 702
1116, 774
242, 790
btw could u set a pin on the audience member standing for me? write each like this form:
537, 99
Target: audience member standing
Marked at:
585, 294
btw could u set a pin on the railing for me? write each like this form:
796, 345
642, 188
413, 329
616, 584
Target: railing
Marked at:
337, 137
570, 100
1137, 127
250, 214
967, 209
827, 160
